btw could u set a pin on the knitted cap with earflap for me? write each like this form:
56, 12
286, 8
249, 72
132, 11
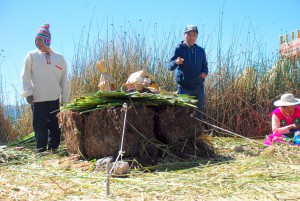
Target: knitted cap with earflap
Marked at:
44, 33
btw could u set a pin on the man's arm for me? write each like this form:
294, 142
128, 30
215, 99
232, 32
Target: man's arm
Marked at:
26, 78
172, 64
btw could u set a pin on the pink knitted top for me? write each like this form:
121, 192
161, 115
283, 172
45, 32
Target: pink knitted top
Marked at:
281, 122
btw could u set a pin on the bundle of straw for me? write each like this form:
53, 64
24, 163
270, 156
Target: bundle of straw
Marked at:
105, 79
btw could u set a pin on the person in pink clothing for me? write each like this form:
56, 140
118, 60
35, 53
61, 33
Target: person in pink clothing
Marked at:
285, 119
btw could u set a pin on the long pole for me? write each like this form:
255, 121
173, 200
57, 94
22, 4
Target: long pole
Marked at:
121, 152
121, 149
107, 177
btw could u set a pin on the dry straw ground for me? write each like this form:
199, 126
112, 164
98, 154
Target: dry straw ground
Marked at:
243, 170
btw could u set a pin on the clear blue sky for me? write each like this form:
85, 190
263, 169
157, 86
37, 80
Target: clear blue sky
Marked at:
19, 20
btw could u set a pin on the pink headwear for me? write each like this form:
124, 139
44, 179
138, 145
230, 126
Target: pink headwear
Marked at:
44, 33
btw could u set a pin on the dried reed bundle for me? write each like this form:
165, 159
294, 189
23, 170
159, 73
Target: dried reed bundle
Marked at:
258, 173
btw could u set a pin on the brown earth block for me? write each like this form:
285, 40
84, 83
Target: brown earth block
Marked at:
104, 128
176, 128
72, 124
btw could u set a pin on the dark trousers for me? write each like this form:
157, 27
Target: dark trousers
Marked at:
200, 96
45, 124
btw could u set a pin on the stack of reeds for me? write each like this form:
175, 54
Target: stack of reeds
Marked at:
102, 100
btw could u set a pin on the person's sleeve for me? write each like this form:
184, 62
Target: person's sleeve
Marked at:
204, 63
26, 77
172, 64
276, 126
65, 96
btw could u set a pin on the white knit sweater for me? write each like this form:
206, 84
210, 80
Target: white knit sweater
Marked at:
45, 77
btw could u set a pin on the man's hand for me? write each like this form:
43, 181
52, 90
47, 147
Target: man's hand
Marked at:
179, 61
29, 99
203, 75
63, 104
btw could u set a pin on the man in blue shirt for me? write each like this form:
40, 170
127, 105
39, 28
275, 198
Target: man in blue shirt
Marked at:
190, 65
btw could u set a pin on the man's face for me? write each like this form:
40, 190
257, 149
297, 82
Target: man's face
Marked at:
40, 44
191, 37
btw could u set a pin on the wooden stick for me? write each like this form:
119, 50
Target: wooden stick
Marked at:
286, 38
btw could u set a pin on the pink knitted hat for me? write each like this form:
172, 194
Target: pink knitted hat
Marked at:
44, 33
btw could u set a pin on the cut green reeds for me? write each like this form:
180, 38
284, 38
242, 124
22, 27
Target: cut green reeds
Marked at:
24, 140
101, 100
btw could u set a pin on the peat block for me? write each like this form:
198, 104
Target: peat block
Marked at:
174, 124
99, 133
104, 128
72, 125
175, 127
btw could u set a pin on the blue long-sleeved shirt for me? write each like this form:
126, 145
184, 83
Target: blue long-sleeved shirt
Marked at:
188, 73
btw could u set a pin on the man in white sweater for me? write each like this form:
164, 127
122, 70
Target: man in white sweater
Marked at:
45, 87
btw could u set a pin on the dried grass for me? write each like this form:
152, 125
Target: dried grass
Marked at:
258, 173
6, 127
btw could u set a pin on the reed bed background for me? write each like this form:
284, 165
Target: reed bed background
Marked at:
243, 80
242, 85
240, 90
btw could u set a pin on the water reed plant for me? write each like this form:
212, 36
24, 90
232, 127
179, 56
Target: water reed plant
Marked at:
243, 79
